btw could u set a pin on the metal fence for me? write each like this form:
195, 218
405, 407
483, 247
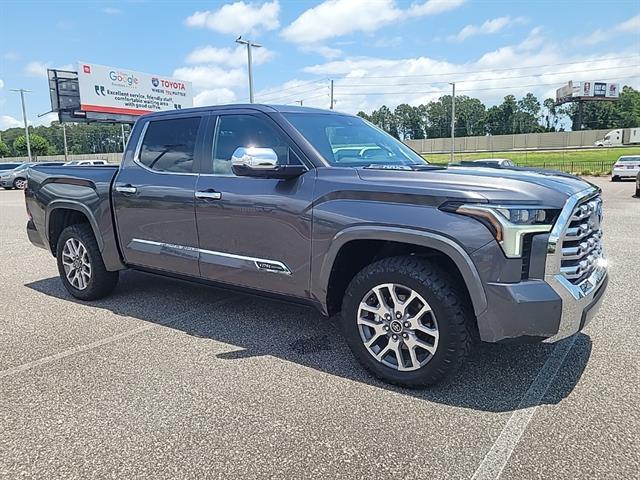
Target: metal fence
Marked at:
501, 143
577, 167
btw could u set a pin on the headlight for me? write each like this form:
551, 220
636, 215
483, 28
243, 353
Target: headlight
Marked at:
509, 224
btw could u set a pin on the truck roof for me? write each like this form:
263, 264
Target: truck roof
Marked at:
259, 107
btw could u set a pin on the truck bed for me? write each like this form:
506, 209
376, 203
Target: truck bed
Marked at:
85, 190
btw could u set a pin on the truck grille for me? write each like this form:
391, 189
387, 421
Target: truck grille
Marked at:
582, 242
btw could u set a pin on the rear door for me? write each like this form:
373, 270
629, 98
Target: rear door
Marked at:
153, 196
253, 232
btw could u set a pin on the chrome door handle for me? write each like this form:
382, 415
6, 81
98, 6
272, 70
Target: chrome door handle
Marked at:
209, 194
126, 189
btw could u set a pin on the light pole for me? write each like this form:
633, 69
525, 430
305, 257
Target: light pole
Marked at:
249, 44
64, 138
453, 121
24, 117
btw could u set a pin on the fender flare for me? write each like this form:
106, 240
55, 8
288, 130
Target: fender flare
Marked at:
423, 238
79, 207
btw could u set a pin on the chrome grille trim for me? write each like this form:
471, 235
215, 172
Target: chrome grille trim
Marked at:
581, 244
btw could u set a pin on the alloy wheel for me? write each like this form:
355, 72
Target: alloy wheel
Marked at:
76, 263
398, 327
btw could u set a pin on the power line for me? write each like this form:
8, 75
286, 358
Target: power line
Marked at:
476, 89
344, 77
294, 95
277, 92
487, 79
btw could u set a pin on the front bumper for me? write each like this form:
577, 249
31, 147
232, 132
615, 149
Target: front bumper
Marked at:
6, 182
548, 309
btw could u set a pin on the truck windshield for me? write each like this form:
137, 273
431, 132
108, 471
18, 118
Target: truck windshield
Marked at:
346, 141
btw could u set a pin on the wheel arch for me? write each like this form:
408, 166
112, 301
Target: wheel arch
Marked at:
356, 243
63, 213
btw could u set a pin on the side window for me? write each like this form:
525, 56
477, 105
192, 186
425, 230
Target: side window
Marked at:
247, 131
169, 145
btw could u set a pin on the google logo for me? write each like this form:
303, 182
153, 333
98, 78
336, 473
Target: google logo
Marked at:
122, 77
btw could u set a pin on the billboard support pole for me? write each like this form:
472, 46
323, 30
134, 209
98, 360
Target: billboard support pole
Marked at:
124, 141
580, 113
64, 138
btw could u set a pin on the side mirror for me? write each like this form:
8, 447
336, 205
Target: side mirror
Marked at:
262, 163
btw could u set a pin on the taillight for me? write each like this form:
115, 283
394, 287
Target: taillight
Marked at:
616, 165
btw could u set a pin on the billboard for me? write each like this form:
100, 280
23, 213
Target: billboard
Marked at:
588, 90
111, 90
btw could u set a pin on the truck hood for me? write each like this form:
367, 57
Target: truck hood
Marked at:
494, 185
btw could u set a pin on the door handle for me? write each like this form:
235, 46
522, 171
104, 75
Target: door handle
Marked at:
128, 188
209, 194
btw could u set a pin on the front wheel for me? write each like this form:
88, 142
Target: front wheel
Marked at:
80, 264
20, 183
406, 321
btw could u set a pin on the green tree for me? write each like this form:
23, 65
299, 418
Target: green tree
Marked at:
409, 122
39, 145
4, 149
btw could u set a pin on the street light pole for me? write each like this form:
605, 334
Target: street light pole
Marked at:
24, 117
453, 121
249, 44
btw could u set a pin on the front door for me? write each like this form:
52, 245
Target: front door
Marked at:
153, 196
253, 232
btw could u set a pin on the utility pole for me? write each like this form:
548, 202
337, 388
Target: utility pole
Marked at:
64, 138
24, 117
453, 121
249, 44
331, 107
124, 141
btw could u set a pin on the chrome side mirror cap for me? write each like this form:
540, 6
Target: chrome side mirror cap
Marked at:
262, 162
254, 158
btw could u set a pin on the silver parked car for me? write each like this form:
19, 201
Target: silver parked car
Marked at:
17, 177
80, 163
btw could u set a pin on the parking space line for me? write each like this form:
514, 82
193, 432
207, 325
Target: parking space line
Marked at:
98, 343
496, 459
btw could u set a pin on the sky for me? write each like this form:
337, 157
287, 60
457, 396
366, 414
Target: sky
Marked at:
376, 51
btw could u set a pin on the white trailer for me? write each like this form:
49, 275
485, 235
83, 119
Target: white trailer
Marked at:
619, 137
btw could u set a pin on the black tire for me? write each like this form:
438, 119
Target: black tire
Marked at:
615, 178
454, 320
102, 281
16, 182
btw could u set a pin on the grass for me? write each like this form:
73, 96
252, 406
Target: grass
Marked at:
596, 161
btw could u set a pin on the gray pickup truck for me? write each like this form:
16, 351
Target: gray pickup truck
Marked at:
325, 209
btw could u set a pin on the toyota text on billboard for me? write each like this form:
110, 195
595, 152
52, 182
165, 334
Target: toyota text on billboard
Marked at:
120, 91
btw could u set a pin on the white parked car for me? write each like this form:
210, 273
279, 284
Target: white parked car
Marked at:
627, 166
79, 163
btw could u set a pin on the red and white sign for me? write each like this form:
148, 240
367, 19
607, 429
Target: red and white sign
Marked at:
120, 91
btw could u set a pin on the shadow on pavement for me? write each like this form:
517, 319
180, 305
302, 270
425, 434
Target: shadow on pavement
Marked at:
494, 378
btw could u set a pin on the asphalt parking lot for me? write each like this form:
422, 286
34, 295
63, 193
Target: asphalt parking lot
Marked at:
167, 379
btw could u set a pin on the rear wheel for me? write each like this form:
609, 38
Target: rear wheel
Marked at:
406, 322
80, 264
615, 178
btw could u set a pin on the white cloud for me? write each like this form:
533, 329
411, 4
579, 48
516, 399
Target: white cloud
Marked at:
238, 18
489, 27
211, 76
111, 11
216, 96
7, 121
630, 26
36, 69
434, 7
334, 18
323, 50
39, 69
236, 57
1, 84
489, 76
10, 56
46, 119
